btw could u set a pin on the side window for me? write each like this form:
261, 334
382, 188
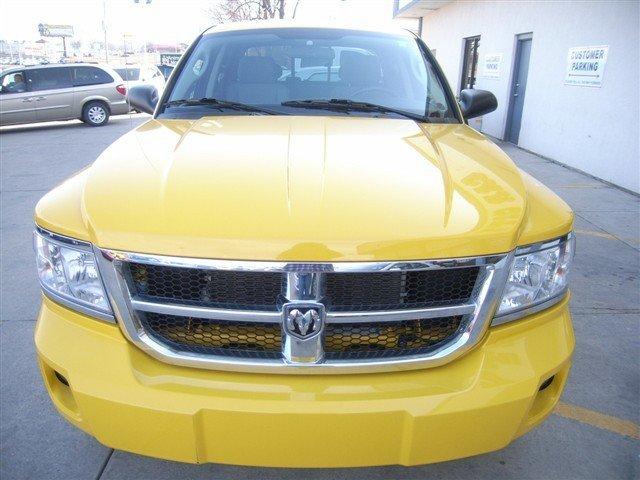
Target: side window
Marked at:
129, 73
49, 78
436, 98
324, 76
13, 83
83, 76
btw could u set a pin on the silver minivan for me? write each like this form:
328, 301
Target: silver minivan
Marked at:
43, 93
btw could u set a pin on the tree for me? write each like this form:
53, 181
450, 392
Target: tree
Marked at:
235, 10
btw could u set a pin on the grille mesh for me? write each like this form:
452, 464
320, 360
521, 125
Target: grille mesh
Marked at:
212, 288
343, 341
354, 341
215, 337
399, 290
346, 292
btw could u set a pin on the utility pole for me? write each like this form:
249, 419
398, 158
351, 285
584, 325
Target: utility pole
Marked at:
104, 28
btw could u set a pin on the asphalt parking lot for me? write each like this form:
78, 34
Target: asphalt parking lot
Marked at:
593, 434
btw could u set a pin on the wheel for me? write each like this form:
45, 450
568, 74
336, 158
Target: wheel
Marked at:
95, 114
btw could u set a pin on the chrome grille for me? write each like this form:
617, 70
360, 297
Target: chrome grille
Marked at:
235, 315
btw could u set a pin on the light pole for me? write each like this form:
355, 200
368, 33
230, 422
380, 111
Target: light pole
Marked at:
295, 9
146, 43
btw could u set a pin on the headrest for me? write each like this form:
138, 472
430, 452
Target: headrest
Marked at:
359, 69
258, 70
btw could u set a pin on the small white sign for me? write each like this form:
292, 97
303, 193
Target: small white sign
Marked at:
585, 65
492, 63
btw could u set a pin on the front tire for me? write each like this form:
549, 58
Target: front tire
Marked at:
95, 114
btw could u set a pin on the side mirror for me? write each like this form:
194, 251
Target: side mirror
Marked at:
477, 102
143, 98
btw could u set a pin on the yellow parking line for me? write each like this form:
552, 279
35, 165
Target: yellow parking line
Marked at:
597, 419
585, 185
606, 235
596, 234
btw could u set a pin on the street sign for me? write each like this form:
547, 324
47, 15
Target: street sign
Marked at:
169, 59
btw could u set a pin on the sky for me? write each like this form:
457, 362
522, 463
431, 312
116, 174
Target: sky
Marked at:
162, 21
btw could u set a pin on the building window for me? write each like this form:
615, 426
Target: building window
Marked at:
470, 62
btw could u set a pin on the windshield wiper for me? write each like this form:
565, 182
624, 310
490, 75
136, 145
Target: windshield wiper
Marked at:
220, 104
345, 105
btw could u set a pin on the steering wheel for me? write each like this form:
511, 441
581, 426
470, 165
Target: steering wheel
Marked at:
366, 90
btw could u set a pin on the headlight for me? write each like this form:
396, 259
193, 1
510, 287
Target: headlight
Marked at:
538, 276
68, 273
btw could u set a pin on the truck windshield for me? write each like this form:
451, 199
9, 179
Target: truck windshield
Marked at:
308, 71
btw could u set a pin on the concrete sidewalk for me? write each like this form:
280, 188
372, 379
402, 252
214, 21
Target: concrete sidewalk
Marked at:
35, 442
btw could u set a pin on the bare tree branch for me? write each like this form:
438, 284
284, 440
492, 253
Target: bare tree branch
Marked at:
234, 10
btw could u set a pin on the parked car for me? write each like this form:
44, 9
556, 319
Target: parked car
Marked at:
141, 75
297, 273
43, 93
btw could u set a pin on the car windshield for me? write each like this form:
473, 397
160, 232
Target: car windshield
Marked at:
129, 73
355, 70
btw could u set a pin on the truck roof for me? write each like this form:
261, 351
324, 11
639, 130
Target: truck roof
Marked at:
390, 27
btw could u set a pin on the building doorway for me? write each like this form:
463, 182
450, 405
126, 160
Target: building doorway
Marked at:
518, 87
470, 62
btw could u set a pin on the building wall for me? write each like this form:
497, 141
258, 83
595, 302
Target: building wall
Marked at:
592, 129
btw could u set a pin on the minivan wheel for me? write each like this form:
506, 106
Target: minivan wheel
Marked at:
95, 114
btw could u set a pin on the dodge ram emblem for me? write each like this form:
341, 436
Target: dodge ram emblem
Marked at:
303, 321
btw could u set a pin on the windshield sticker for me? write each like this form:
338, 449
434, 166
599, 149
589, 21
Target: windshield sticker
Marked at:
197, 67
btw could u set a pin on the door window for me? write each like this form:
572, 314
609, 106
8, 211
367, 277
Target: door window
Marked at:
14, 83
90, 76
49, 78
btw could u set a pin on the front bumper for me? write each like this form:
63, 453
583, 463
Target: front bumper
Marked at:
476, 404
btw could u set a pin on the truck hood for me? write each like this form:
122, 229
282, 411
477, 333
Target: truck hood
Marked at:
306, 188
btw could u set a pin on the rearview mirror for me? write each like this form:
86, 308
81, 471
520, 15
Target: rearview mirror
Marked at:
143, 98
474, 103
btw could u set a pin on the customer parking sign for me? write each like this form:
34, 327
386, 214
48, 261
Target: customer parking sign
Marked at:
585, 65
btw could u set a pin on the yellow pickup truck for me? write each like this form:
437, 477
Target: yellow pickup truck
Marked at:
317, 269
